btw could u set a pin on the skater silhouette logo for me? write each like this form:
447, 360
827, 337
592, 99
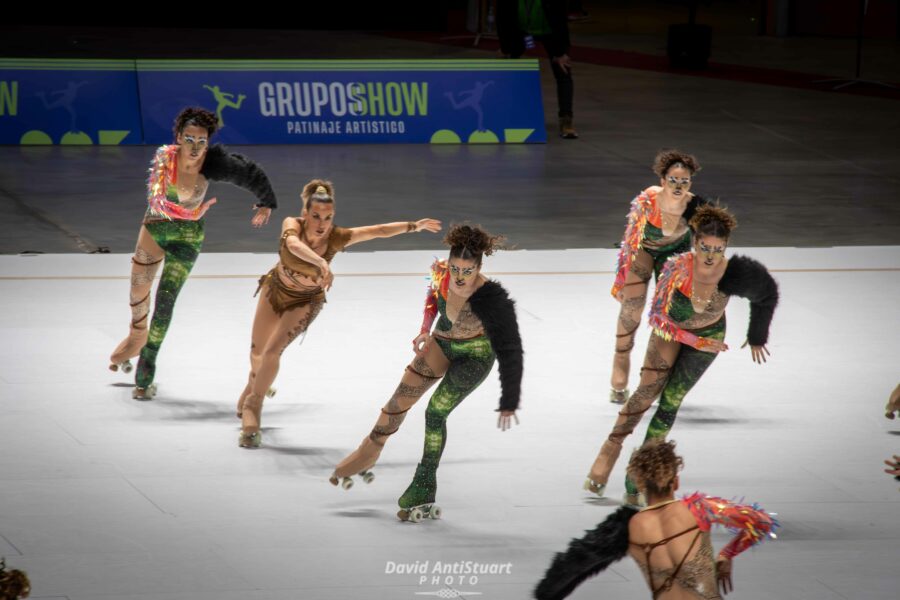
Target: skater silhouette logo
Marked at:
224, 100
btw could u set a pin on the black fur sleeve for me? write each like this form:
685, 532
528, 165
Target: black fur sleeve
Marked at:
749, 279
237, 169
497, 311
587, 556
692, 206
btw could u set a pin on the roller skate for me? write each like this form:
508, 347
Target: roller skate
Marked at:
145, 389
144, 393
129, 348
359, 462
417, 502
347, 482
250, 440
619, 396
595, 488
415, 514
637, 500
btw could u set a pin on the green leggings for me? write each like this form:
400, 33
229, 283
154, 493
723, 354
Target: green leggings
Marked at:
686, 372
181, 241
470, 363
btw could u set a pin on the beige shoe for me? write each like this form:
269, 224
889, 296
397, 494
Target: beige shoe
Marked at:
250, 440
619, 396
566, 129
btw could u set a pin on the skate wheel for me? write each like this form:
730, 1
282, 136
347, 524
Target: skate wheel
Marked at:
347, 483
127, 368
415, 515
594, 488
113, 367
333, 480
270, 393
368, 476
435, 512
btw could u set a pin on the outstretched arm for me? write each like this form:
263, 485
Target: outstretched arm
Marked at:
750, 523
236, 169
386, 230
497, 312
586, 556
749, 279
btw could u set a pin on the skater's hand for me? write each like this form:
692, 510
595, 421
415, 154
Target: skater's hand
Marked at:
894, 466
564, 62
327, 277
723, 574
432, 225
758, 353
261, 217
420, 343
893, 404
713, 346
505, 419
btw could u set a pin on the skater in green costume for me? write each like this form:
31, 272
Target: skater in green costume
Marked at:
476, 325
172, 232
657, 229
688, 318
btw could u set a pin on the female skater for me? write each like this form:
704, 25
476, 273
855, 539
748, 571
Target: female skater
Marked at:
688, 317
656, 230
293, 292
172, 232
477, 323
669, 539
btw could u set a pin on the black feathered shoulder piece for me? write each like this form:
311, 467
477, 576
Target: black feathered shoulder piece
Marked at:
237, 169
693, 204
749, 279
497, 311
587, 556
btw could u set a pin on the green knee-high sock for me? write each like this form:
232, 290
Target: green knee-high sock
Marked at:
470, 363
181, 241
686, 372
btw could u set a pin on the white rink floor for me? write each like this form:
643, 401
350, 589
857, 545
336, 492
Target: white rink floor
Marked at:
103, 497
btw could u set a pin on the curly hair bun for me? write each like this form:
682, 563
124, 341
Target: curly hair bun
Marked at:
471, 242
666, 159
713, 220
654, 466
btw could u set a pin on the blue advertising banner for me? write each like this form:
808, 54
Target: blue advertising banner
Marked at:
348, 101
69, 102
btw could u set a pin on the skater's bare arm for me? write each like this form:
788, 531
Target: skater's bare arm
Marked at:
386, 230
290, 233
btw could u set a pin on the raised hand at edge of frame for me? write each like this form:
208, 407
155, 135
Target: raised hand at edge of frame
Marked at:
712, 345
723, 575
893, 404
420, 343
261, 217
432, 225
757, 353
505, 419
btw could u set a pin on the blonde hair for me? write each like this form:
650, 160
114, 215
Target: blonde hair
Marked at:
317, 190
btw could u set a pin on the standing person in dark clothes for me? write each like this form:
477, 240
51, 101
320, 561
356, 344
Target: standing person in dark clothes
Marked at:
520, 23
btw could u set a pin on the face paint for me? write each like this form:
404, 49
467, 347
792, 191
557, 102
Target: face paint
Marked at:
463, 273
193, 141
712, 252
195, 145
677, 181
